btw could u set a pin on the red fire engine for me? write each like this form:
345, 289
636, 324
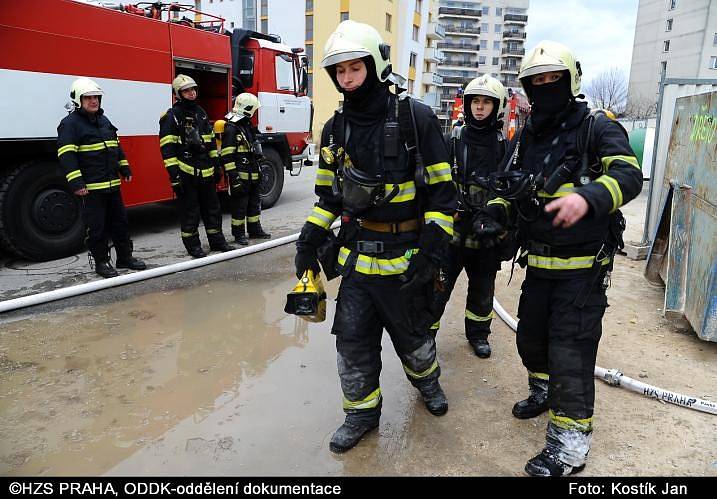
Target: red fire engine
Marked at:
133, 55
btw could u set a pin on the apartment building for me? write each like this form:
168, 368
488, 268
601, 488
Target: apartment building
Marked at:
677, 36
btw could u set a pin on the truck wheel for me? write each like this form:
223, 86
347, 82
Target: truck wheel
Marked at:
39, 216
272, 181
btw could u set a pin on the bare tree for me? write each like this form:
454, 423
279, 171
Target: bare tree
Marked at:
608, 90
640, 107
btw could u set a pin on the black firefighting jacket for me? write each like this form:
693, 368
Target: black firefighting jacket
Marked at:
237, 153
186, 139
614, 179
89, 152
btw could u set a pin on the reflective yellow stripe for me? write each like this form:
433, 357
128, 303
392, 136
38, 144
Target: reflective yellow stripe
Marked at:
103, 185
242, 148
244, 175
252, 220
479, 318
255, 176
213, 153
630, 160
406, 192
170, 162
563, 190
111, 143
566, 423
92, 147
213, 231
73, 175
555, 263
124, 162
445, 221
322, 218
324, 177
440, 172
369, 402
613, 188
206, 172
423, 374
230, 166
68, 148
543, 376
500, 201
376, 266
168, 139
436, 325
189, 234
228, 150
236, 222
208, 137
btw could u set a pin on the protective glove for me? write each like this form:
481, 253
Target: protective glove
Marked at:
306, 260
489, 223
421, 272
177, 186
310, 239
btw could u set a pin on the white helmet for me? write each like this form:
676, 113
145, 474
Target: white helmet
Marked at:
83, 86
246, 104
182, 82
490, 87
550, 56
354, 40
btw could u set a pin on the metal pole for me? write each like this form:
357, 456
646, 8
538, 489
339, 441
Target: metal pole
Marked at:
645, 237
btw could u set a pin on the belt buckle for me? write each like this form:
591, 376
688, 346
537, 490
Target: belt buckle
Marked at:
369, 247
540, 248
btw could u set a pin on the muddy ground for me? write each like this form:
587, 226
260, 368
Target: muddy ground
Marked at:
202, 373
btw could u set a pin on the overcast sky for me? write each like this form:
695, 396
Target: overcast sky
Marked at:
600, 32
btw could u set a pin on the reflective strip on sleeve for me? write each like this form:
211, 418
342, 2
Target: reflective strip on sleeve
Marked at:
228, 150
423, 374
170, 162
112, 143
445, 221
369, 402
244, 175
68, 148
324, 177
543, 376
322, 218
92, 147
436, 325
440, 172
242, 148
73, 175
613, 188
103, 185
406, 192
255, 176
213, 153
479, 318
230, 166
169, 139
123, 162
208, 137
630, 160
566, 423
555, 263
562, 191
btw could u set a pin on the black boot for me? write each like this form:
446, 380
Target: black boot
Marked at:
221, 246
196, 252
433, 396
537, 401
241, 239
256, 232
481, 348
351, 432
547, 464
105, 269
125, 260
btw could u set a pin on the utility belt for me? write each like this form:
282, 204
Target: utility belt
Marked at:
367, 247
411, 225
543, 249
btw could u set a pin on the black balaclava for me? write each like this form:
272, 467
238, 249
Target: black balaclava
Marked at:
487, 123
188, 105
550, 100
481, 139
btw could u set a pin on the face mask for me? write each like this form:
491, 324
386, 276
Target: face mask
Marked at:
550, 98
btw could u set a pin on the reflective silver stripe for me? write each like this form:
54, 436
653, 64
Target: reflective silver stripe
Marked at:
423, 374
440, 172
406, 191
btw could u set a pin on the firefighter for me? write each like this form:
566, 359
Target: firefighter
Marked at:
396, 222
92, 159
189, 152
476, 150
240, 157
581, 169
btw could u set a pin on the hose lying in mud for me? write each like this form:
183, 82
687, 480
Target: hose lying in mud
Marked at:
59, 294
614, 377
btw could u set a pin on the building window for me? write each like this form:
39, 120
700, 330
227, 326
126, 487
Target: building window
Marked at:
495, 61
414, 36
309, 5
310, 27
484, 27
412, 60
714, 40
663, 67
484, 44
388, 22
486, 10
265, 26
344, 16
666, 46
419, 6
496, 44
264, 7
231, 25
498, 11
669, 25
713, 62
481, 59
498, 28
673, 4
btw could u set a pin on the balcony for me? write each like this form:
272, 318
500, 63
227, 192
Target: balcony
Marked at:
430, 78
509, 68
431, 99
435, 31
458, 80
432, 54
515, 19
453, 12
462, 30
514, 35
508, 52
459, 47
509, 81
460, 63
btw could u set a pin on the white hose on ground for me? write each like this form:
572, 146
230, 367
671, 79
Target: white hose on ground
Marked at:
59, 294
615, 378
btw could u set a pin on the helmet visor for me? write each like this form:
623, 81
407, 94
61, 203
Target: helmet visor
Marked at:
332, 59
543, 68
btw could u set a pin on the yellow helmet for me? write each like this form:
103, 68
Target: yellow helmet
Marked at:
490, 87
182, 82
246, 104
83, 86
354, 40
550, 56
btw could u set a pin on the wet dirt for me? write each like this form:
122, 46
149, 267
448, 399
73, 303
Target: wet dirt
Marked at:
203, 373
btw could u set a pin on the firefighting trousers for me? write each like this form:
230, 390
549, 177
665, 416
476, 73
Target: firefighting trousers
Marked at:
481, 267
246, 208
366, 305
105, 217
199, 200
558, 338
